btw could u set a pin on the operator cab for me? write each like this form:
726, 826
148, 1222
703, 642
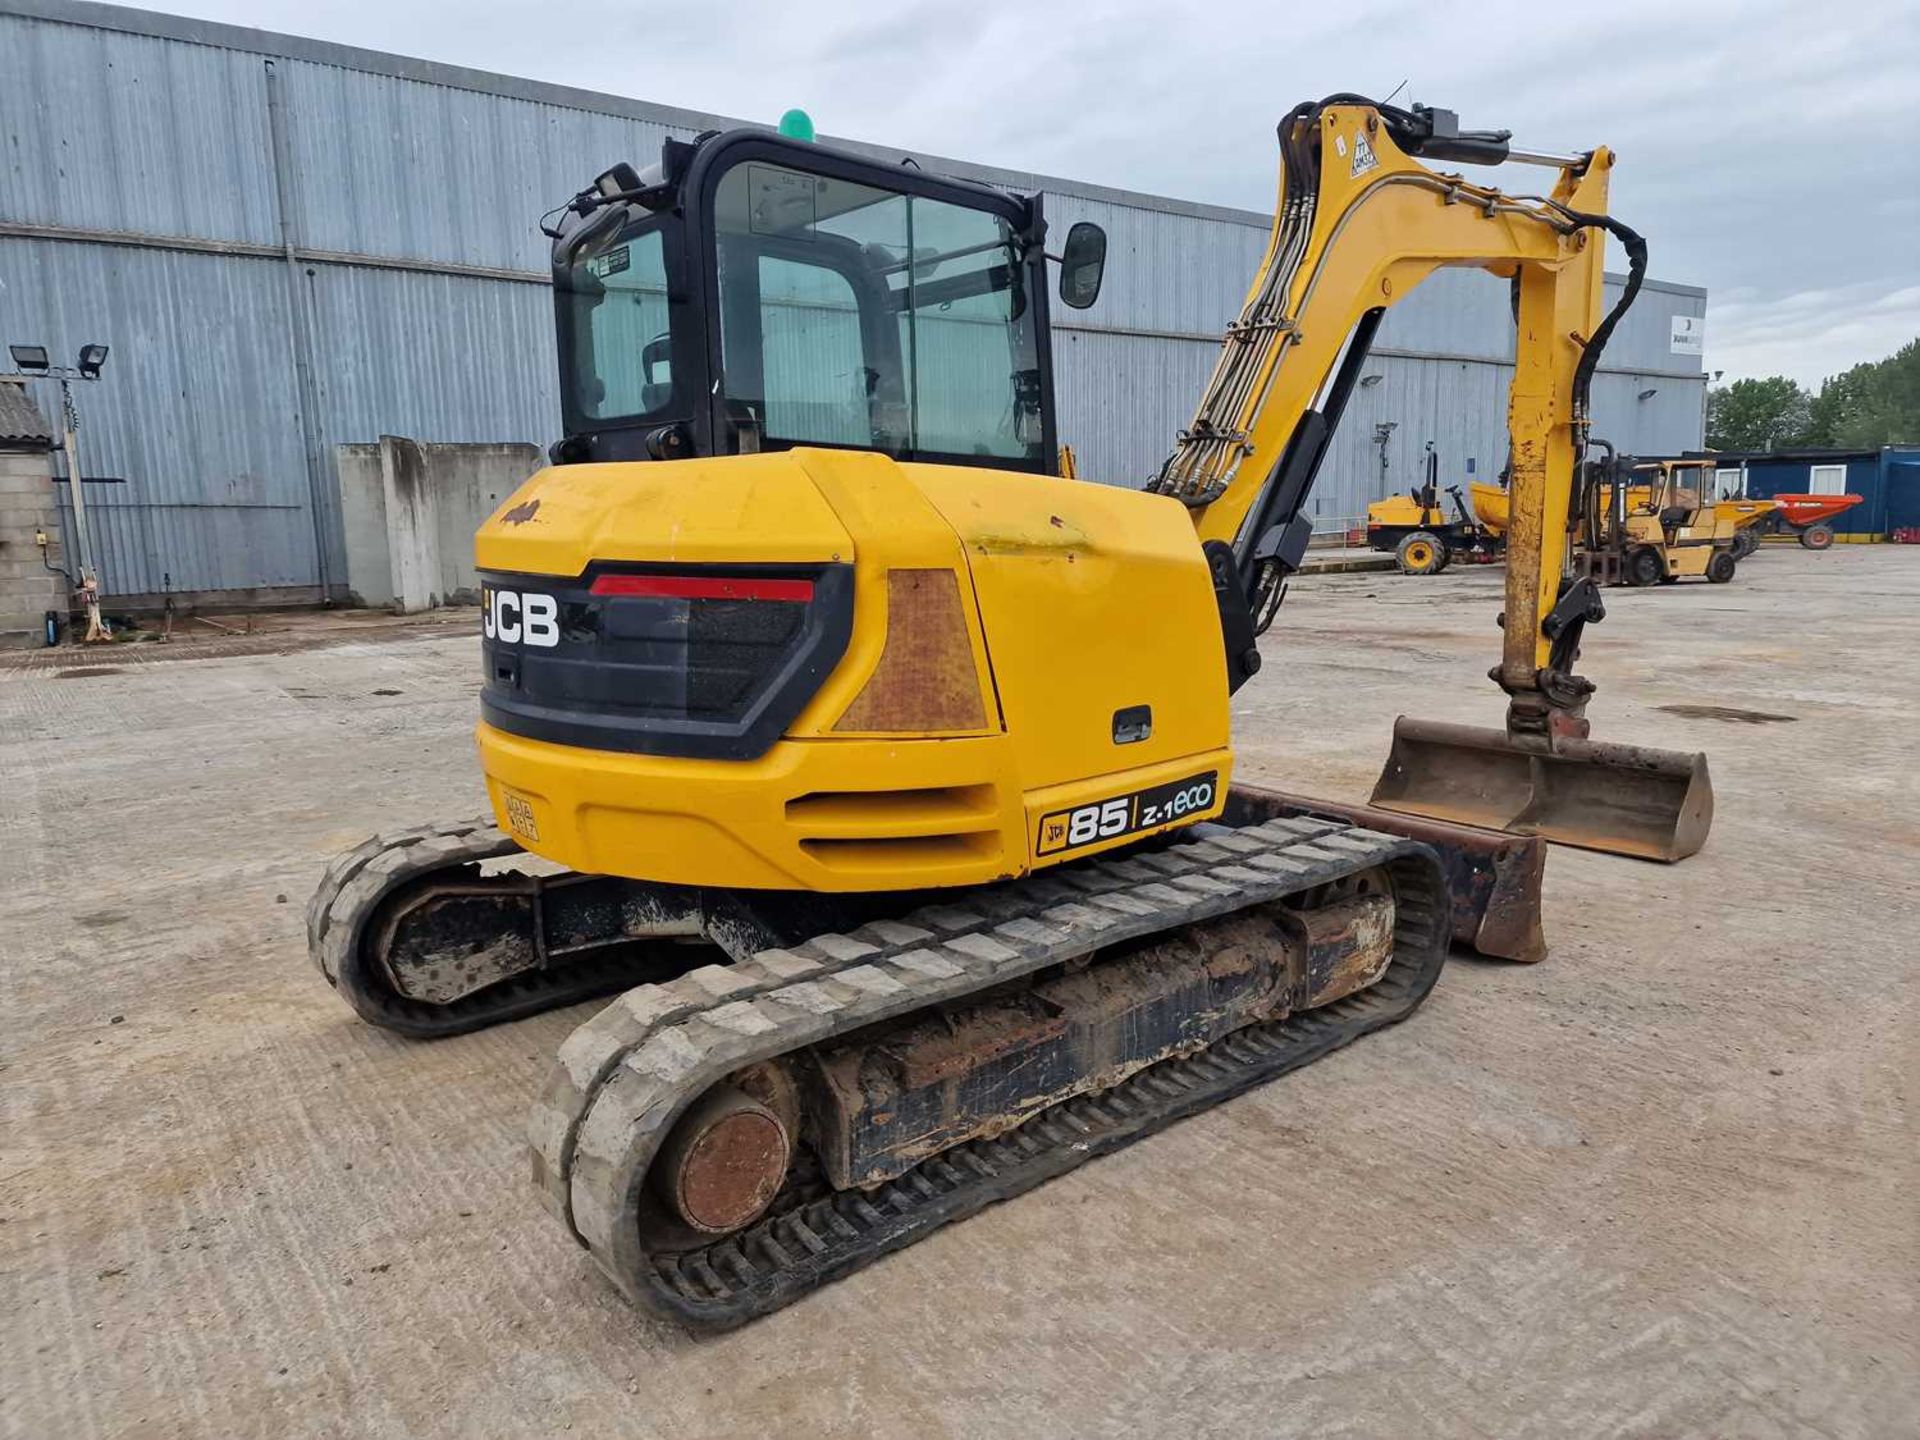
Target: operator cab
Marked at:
754, 292
1678, 493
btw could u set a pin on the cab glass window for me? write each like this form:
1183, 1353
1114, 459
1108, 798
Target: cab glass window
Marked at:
859, 316
615, 295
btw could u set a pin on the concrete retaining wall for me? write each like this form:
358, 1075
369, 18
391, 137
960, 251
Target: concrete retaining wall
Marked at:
409, 511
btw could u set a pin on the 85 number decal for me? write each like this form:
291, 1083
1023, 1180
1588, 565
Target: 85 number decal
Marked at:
1142, 810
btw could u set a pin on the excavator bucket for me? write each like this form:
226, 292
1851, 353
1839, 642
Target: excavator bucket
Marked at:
1623, 799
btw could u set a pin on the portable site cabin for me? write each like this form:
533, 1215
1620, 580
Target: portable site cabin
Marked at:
1887, 479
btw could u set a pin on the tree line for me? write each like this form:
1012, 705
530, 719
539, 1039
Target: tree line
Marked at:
1871, 405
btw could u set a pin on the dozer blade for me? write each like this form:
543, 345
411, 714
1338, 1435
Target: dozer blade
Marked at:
1493, 878
1622, 799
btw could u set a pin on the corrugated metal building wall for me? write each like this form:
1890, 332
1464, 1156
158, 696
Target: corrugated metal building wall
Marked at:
220, 204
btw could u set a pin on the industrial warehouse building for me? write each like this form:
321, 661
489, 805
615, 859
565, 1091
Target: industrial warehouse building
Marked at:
291, 246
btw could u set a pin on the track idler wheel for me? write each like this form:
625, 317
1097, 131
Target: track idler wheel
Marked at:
725, 1161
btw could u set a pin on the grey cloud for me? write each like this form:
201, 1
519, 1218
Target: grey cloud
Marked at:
1766, 148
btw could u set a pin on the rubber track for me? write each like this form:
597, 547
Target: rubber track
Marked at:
623, 1078
360, 881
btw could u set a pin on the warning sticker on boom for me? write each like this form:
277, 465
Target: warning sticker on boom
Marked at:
1142, 810
1363, 157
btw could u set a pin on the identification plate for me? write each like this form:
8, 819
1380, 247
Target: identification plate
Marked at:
520, 815
1147, 809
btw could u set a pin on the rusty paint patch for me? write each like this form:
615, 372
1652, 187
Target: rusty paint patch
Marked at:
724, 1162
1727, 713
521, 513
1350, 944
1060, 534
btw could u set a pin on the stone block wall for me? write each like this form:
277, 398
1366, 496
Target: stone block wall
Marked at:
28, 504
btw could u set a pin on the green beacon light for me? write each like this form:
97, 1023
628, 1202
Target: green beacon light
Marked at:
797, 125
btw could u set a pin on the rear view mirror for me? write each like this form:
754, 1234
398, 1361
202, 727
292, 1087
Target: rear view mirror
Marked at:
656, 371
656, 360
1082, 264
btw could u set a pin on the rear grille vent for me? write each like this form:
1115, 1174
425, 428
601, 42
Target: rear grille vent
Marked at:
860, 814
891, 830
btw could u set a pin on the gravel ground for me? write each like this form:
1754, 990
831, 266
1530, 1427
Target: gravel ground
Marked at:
1661, 1184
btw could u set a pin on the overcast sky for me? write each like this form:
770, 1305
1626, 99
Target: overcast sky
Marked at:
1768, 150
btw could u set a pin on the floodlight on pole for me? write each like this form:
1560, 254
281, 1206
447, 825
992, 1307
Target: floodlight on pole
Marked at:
33, 360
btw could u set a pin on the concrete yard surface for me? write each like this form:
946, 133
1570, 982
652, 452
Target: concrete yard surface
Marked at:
1663, 1183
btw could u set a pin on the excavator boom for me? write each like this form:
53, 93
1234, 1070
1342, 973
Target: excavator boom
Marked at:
1359, 224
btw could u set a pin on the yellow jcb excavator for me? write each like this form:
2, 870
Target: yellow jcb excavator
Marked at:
892, 770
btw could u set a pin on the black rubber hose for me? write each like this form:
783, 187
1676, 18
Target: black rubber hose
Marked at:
1404, 126
1587, 493
1636, 247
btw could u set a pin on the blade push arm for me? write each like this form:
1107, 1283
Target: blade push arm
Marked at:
1361, 222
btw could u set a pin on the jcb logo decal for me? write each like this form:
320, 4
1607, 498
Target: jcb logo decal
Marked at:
519, 618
